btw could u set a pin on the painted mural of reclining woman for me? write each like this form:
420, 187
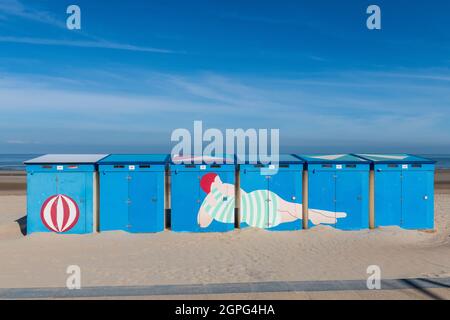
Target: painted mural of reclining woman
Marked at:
219, 205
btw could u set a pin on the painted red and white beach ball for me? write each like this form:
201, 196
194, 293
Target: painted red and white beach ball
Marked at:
60, 213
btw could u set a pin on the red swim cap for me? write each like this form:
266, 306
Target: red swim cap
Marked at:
206, 181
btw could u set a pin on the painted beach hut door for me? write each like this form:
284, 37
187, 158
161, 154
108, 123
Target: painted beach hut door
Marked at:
254, 191
271, 200
188, 200
61, 190
202, 198
390, 199
351, 190
404, 198
142, 205
322, 190
340, 191
417, 199
132, 194
61, 202
403, 190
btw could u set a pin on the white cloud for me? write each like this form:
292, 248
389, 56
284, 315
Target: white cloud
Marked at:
84, 44
16, 142
15, 8
54, 106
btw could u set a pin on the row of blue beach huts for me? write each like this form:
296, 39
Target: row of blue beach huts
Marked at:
150, 192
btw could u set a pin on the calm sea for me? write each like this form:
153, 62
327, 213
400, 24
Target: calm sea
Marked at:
14, 162
443, 160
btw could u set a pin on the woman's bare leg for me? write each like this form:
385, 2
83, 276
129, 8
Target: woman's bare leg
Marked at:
289, 211
322, 216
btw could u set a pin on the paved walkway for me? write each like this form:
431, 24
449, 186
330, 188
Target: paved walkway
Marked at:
431, 288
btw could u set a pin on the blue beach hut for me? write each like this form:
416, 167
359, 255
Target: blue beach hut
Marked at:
403, 190
132, 192
271, 194
62, 193
338, 184
202, 194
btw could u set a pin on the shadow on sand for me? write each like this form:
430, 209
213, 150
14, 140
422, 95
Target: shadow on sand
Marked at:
423, 288
22, 222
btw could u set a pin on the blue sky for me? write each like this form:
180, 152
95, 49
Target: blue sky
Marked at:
137, 70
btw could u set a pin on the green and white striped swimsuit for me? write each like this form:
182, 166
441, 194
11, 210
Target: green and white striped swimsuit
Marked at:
258, 208
223, 211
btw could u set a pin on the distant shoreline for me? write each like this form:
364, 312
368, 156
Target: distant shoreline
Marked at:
14, 162
14, 182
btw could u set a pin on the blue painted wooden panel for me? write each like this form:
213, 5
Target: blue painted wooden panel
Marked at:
418, 200
77, 186
352, 189
287, 184
340, 188
47, 168
132, 167
40, 186
146, 210
114, 200
321, 191
217, 168
404, 195
388, 198
187, 197
185, 201
251, 179
131, 201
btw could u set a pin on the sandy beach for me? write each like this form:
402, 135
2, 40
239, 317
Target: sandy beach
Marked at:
242, 256
13, 183
442, 181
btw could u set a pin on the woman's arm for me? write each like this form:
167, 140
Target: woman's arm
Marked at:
203, 218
